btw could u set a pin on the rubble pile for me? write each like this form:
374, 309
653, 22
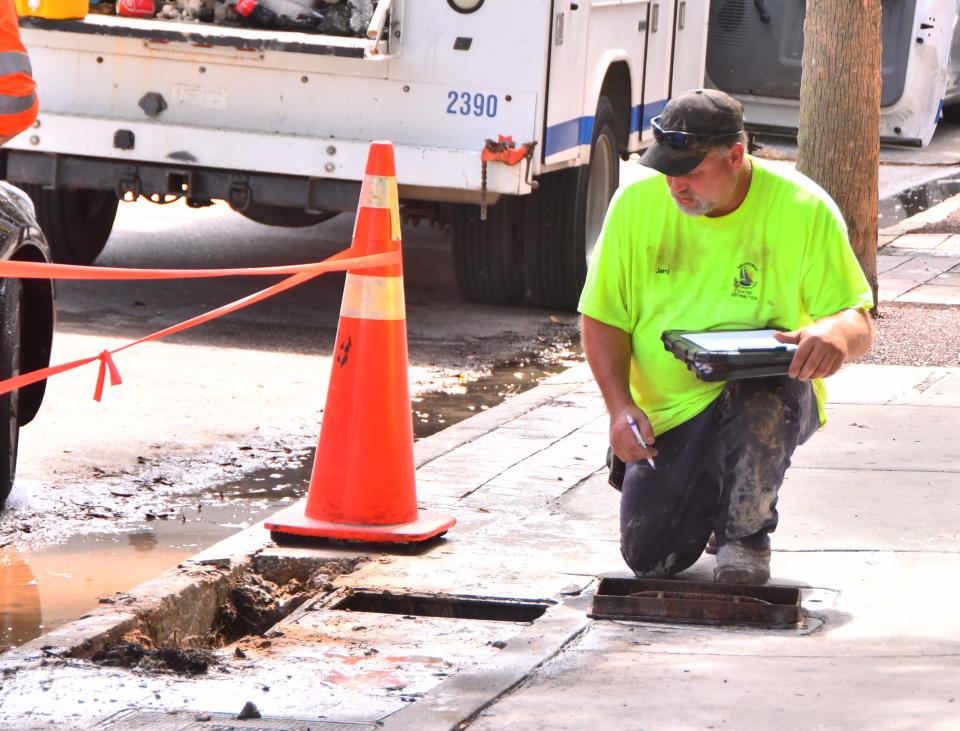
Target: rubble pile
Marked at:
328, 17
182, 661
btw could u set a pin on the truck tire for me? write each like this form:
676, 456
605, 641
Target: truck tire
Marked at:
488, 255
77, 223
951, 112
566, 217
284, 216
11, 301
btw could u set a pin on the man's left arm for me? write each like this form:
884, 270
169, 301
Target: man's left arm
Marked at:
828, 343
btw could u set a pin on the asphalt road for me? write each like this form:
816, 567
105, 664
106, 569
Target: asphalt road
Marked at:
254, 381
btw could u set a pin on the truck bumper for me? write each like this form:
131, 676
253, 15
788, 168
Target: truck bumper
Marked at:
184, 156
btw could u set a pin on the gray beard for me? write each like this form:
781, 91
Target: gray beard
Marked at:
702, 208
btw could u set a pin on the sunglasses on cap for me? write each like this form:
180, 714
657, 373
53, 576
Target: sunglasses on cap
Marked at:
677, 140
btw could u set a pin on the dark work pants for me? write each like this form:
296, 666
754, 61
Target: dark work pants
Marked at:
720, 471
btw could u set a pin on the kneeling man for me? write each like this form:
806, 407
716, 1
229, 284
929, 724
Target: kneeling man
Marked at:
714, 239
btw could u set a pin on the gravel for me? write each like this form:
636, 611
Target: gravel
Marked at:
916, 335
948, 225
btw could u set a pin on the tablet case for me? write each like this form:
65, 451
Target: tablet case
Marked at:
726, 365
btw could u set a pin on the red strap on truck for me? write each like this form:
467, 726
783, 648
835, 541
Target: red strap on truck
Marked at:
506, 151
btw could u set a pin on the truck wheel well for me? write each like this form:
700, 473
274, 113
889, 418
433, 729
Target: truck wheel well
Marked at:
616, 88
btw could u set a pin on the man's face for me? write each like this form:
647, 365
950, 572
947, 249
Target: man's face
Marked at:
711, 185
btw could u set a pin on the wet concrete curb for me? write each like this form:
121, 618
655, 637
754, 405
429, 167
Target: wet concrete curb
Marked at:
934, 214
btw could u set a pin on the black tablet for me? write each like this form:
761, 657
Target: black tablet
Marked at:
723, 355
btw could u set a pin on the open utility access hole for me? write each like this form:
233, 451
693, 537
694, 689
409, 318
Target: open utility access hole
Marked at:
442, 605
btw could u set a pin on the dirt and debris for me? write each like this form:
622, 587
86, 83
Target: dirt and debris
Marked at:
179, 661
948, 225
327, 17
256, 604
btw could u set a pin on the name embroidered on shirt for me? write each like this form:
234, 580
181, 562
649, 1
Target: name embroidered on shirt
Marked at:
663, 270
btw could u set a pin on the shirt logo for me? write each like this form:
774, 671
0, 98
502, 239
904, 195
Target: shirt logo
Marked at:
746, 280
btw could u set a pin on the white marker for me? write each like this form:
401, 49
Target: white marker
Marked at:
639, 436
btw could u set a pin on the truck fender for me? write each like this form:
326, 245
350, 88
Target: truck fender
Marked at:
594, 87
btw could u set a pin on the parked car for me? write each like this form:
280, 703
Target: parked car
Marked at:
26, 324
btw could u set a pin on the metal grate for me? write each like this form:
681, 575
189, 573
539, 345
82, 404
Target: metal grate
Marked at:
730, 24
671, 600
443, 605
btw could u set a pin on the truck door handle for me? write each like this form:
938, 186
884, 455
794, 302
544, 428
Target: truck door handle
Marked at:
655, 18
682, 15
762, 11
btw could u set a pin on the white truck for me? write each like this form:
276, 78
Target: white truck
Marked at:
755, 52
277, 123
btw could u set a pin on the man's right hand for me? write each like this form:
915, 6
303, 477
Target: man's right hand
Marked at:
622, 439
608, 352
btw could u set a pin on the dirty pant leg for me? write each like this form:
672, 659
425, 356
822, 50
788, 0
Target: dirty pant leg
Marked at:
666, 514
760, 422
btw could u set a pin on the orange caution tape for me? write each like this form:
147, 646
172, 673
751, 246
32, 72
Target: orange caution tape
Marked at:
300, 273
106, 361
38, 270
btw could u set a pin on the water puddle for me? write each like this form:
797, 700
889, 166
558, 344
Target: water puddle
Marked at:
915, 200
44, 588
436, 410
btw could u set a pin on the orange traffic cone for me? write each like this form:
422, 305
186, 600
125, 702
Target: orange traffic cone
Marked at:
363, 486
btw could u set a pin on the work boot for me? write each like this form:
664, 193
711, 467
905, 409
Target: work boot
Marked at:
738, 564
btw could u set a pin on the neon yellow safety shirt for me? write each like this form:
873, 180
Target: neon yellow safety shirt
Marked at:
780, 260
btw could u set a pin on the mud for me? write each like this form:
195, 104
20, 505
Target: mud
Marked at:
464, 397
256, 604
162, 660
236, 607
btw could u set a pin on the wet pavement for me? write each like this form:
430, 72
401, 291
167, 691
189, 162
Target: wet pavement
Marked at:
537, 526
232, 407
46, 586
908, 203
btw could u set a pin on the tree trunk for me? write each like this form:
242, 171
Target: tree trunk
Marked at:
839, 133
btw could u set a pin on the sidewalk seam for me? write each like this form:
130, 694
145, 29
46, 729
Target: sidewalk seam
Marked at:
524, 459
466, 722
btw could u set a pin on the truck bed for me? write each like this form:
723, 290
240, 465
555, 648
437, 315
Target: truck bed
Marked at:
207, 35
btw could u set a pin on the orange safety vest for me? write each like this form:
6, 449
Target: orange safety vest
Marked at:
18, 98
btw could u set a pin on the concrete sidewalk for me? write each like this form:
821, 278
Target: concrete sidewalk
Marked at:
920, 267
869, 522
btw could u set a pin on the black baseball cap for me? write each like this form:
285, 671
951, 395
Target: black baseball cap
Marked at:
689, 127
